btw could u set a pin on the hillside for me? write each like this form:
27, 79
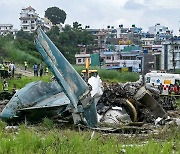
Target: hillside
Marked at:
10, 51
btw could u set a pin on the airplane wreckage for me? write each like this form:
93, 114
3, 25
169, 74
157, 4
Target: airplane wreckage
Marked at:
70, 95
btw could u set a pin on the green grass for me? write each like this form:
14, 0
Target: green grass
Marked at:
19, 56
112, 75
20, 83
42, 140
106, 75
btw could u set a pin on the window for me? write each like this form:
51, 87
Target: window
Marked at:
32, 21
148, 80
176, 47
32, 28
79, 60
109, 58
25, 28
24, 21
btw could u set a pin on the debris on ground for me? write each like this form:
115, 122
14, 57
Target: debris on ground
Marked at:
123, 106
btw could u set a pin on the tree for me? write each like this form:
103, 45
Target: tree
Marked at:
25, 35
68, 40
55, 15
77, 26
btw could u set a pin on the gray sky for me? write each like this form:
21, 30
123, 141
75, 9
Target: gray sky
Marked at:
100, 13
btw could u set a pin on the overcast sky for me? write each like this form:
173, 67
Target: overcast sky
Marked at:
100, 13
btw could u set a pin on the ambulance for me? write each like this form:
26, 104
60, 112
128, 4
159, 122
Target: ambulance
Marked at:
165, 81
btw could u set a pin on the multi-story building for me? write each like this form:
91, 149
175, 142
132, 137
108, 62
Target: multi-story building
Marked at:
129, 35
7, 29
161, 33
100, 36
170, 57
111, 58
29, 19
147, 43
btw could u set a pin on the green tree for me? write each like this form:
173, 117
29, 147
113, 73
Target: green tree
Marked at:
25, 35
25, 42
77, 26
68, 40
55, 15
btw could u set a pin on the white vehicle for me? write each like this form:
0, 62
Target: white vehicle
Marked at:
164, 81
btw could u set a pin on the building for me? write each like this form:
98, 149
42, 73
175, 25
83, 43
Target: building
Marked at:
81, 58
158, 29
129, 36
161, 33
147, 43
100, 36
29, 19
7, 29
170, 57
111, 58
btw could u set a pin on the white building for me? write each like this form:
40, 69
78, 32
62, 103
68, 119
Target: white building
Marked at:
170, 51
7, 29
29, 19
158, 29
81, 59
147, 43
111, 58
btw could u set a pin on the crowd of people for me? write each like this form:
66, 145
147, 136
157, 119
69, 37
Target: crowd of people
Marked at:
172, 88
7, 69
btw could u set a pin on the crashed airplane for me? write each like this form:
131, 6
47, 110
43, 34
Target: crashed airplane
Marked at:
70, 92
40, 98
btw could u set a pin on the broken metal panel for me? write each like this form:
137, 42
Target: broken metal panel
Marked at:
90, 113
145, 98
74, 86
30, 96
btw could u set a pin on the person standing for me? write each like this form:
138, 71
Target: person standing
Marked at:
2, 70
46, 71
41, 69
35, 68
5, 85
25, 65
12, 68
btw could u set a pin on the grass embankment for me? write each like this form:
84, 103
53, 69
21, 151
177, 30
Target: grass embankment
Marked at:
16, 55
20, 83
106, 75
112, 75
41, 139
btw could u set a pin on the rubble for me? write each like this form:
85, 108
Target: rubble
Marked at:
145, 100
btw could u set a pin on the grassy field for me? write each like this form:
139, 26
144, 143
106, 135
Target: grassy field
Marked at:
51, 138
48, 138
105, 75
112, 75
20, 83
12, 53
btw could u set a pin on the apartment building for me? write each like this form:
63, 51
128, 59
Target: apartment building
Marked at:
7, 29
170, 57
29, 19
